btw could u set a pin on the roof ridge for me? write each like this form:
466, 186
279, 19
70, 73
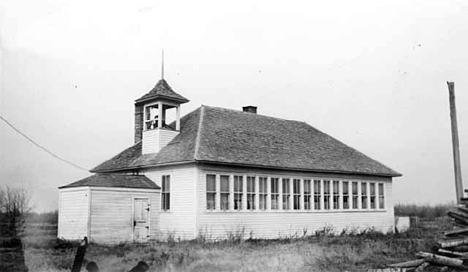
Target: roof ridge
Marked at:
197, 139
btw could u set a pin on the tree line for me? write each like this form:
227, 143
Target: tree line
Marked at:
14, 208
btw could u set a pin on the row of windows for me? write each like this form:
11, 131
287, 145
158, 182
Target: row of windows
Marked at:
295, 194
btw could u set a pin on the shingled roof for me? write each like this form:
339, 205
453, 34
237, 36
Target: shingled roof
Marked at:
162, 90
224, 136
115, 180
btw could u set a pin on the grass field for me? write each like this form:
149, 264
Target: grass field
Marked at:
351, 252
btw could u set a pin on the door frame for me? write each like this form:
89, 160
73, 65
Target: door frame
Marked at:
148, 218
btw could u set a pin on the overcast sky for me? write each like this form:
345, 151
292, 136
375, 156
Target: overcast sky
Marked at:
370, 73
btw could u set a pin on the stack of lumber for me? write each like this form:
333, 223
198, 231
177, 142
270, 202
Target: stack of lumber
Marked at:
452, 253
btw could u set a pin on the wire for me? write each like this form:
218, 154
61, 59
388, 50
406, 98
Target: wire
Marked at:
40, 146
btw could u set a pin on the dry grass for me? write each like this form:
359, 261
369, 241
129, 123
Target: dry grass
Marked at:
322, 251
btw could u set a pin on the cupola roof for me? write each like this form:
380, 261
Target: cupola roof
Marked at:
162, 90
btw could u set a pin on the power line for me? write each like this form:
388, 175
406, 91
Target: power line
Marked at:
40, 146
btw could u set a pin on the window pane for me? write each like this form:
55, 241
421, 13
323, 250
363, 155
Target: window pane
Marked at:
210, 192
297, 194
168, 183
274, 193
251, 184
355, 195
307, 187
372, 196
238, 186
381, 196
224, 201
238, 183
285, 186
165, 192
210, 201
345, 195
262, 198
224, 180
296, 186
262, 185
210, 183
336, 194
317, 195
286, 194
250, 193
364, 195
224, 184
326, 194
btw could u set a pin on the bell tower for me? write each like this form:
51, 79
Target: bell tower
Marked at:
157, 117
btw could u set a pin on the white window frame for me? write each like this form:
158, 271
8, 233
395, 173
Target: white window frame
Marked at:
263, 194
215, 192
221, 192
164, 193
251, 195
383, 196
237, 192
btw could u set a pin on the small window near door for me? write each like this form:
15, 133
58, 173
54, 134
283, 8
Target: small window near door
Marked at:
166, 193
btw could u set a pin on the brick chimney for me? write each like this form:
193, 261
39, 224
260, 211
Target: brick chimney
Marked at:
251, 109
138, 123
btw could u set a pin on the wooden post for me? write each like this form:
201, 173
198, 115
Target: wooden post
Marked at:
80, 253
455, 144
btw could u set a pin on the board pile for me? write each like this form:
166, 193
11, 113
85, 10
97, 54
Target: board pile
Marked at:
452, 252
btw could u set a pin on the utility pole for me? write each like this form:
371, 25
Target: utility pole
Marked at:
455, 144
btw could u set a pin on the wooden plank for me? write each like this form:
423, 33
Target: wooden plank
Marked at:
386, 270
463, 209
412, 263
441, 260
463, 255
460, 248
453, 242
458, 216
455, 232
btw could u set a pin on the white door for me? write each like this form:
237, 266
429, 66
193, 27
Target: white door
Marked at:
140, 220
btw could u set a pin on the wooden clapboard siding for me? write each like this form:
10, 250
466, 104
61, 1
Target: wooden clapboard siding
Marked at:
73, 213
166, 136
112, 213
180, 219
155, 139
274, 224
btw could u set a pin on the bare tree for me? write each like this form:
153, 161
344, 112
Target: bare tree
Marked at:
14, 206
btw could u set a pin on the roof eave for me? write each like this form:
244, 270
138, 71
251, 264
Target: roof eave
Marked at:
141, 167
396, 174
180, 100
95, 186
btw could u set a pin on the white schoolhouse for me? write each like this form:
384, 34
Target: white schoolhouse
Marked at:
217, 171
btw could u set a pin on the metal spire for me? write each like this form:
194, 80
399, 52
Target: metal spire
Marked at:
162, 65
